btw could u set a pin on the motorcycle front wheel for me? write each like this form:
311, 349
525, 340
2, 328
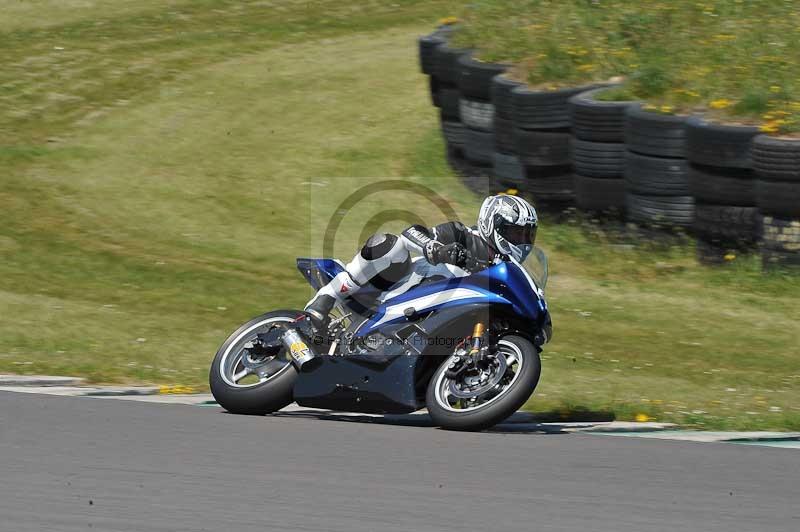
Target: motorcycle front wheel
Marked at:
481, 398
244, 383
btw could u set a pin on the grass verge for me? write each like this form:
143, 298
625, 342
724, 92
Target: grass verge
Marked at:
735, 61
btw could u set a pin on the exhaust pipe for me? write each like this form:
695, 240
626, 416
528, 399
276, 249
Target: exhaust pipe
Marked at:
303, 357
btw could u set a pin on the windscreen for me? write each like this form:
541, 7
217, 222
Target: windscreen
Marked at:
536, 266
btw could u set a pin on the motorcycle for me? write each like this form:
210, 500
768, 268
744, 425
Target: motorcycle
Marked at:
464, 346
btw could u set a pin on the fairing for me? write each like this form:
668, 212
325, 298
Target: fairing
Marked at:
505, 284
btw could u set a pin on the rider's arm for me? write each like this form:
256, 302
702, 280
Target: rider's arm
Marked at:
442, 244
416, 238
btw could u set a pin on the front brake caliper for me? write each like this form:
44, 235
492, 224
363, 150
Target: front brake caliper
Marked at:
458, 364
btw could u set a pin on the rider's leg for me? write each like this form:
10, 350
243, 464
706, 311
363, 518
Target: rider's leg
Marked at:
382, 261
327, 296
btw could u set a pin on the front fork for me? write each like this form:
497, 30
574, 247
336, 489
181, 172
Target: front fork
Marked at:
474, 350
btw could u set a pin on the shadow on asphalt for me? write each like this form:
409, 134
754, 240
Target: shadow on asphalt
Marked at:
519, 423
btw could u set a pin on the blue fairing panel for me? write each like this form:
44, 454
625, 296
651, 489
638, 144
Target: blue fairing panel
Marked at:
319, 272
504, 284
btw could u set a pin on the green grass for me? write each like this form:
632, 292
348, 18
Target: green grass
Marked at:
146, 218
735, 61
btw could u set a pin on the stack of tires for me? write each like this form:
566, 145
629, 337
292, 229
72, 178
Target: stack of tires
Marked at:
477, 112
777, 167
507, 166
598, 152
427, 60
446, 72
656, 170
541, 132
722, 183
440, 62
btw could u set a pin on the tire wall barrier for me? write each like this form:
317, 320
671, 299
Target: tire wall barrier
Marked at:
732, 188
656, 171
598, 152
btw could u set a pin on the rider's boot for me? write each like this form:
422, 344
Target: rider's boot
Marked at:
318, 311
340, 287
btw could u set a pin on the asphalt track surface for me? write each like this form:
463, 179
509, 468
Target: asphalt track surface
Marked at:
70, 464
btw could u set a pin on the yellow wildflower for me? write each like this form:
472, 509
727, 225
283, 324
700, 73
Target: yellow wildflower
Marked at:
721, 103
775, 88
666, 109
447, 21
769, 127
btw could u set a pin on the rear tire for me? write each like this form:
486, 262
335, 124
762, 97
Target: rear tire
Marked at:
260, 398
499, 408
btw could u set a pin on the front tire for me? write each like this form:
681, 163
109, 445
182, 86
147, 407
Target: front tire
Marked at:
519, 353
275, 375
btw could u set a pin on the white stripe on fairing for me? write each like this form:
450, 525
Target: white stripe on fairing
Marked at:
421, 269
425, 302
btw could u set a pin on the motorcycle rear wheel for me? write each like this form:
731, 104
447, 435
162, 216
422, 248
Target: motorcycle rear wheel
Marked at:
274, 376
521, 375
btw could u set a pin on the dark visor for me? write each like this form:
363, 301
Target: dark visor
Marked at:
518, 234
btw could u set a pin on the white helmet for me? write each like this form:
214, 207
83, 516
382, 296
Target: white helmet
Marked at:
509, 224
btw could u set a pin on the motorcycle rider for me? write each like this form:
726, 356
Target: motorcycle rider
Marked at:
506, 229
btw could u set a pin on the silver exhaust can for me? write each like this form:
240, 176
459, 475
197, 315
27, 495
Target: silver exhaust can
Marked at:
303, 357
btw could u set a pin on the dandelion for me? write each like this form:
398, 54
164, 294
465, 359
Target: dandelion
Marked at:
730, 257
666, 109
769, 128
447, 21
722, 103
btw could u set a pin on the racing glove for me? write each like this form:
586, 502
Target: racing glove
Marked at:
454, 253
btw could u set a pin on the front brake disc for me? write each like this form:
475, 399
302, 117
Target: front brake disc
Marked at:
497, 375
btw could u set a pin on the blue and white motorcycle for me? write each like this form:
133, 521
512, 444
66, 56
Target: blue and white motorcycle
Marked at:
466, 347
